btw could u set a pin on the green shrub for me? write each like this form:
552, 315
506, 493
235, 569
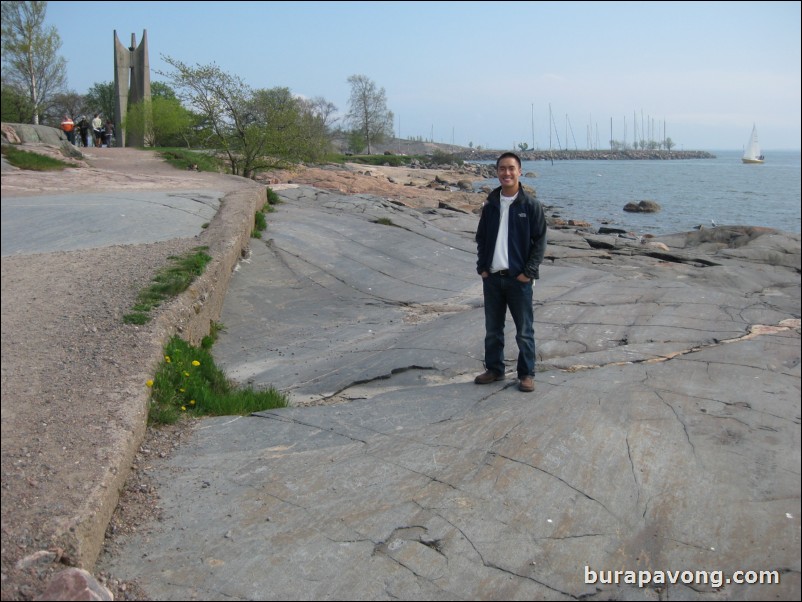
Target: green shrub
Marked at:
441, 158
391, 160
272, 198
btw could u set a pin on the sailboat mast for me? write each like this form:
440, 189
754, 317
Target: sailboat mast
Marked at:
533, 126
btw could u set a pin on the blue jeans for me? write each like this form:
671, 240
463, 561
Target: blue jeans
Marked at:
502, 292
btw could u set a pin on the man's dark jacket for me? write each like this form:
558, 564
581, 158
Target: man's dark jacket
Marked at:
527, 234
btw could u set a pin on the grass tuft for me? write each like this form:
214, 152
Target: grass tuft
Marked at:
188, 382
32, 161
182, 158
214, 330
170, 281
260, 221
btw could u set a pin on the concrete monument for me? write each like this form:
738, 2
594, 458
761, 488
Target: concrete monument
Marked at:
131, 83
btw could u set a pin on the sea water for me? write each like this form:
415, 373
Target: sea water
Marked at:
691, 192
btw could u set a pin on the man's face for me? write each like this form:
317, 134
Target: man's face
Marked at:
508, 173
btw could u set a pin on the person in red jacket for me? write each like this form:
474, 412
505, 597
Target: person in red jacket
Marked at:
68, 127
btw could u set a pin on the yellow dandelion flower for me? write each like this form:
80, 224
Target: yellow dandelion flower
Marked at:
183, 408
186, 373
167, 358
149, 383
192, 402
195, 363
182, 390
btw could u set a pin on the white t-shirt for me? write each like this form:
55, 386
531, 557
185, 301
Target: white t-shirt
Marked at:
501, 260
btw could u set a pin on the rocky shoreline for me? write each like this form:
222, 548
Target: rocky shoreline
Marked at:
420, 186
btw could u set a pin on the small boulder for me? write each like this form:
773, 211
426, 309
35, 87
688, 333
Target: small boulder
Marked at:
75, 584
642, 207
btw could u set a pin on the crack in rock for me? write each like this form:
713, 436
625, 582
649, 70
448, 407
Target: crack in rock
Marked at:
755, 330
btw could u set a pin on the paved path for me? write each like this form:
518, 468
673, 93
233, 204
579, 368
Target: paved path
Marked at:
87, 220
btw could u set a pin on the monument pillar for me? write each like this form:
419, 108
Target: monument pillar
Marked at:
131, 84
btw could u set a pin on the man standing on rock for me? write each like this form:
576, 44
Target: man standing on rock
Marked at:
511, 241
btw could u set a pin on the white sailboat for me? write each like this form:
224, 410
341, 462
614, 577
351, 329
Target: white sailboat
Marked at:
752, 152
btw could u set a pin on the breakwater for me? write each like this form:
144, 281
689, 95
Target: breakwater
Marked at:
586, 155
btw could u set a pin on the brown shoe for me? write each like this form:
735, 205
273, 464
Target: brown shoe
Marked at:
488, 377
526, 384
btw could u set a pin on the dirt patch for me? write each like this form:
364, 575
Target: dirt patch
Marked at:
72, 373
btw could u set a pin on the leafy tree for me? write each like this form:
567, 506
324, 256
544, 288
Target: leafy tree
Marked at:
356, 141
223, 101
162, 121
279, 113
162, 90
323, 110
255, 130
368, 110
100, 99
669, 144
318, 115
16, 106
29, 54
69, 103
295, 128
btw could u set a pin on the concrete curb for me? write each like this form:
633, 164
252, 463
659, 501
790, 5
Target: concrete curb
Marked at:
189, 315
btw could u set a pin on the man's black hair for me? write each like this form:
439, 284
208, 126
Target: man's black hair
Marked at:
508, 154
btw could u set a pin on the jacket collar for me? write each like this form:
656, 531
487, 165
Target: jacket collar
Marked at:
495, 196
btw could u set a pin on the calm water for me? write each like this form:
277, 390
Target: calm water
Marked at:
690, 192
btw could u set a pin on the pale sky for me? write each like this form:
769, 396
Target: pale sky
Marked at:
487, 73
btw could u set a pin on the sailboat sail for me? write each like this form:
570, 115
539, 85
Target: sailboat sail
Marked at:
752, 152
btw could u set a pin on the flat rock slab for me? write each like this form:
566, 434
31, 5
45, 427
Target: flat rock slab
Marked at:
663, 434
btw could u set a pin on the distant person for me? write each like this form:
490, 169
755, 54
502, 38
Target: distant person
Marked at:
83, 129
108, 133
68, 127
511, 243
97, 130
